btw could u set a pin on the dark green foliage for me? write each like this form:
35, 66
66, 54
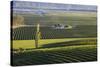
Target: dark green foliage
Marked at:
28, 33
55, 55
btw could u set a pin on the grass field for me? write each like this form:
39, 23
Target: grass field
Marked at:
25, 44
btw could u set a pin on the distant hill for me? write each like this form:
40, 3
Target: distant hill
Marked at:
33, 6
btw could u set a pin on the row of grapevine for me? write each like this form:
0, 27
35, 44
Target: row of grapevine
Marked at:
56, 56
28, 33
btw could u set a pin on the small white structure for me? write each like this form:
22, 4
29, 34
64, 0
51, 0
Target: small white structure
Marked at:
61, 26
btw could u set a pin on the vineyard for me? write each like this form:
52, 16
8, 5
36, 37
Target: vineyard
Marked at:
55, 45
67, 51
78, 44
28, 33
67, 54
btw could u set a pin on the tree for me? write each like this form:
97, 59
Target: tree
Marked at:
17, 20
37, 36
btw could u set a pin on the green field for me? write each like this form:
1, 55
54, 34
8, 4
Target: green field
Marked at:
79, 50
81, 18
25, 44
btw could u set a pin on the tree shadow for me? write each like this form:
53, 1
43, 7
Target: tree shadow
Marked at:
70, 43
